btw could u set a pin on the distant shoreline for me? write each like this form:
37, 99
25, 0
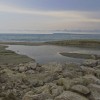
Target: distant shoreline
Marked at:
23, 43
78, 42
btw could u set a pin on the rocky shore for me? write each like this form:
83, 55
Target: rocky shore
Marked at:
53, 81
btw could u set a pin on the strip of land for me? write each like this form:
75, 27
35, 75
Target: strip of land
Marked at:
80, 55
10, 57
80, 43
23, 43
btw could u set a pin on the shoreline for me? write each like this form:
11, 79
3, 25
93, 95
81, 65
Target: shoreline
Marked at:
78, 42
9, 57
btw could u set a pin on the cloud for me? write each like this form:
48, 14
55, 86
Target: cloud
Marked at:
42, 19
13, 9
66, 15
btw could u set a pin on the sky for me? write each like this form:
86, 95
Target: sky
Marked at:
31, 16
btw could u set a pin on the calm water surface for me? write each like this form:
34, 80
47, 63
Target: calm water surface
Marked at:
49, 53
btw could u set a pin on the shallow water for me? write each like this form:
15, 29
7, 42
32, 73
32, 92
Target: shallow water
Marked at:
50, 53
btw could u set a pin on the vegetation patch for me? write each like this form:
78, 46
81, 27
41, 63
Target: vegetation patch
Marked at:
79, 55
81, 43
10, 57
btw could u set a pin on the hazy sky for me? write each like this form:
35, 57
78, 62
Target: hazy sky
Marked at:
29, 15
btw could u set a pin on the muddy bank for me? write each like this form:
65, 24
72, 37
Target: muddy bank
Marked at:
80, 55
10, 57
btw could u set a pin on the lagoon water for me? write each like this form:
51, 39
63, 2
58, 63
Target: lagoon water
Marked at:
50, 53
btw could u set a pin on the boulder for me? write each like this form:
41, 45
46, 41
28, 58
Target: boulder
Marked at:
66, 83
43, 89
67, 74
51, 89
97, 67
51, 77
80, 89
85, 80
68, 95
55, 90
72, 67
72, 74
10, 96
87, 70
95, 91
90, 63
98, 57
99, 61
28, 95
53, 67
39, 69
97, 73
42, 96
31, 65
36, 82
27, 66
22, 69
91, 79
72, 70
30, 72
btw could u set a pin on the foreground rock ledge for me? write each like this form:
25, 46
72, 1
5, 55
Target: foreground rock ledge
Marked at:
53, 81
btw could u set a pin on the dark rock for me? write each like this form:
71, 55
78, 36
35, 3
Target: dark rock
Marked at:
90, 63
80, 89
95, 91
